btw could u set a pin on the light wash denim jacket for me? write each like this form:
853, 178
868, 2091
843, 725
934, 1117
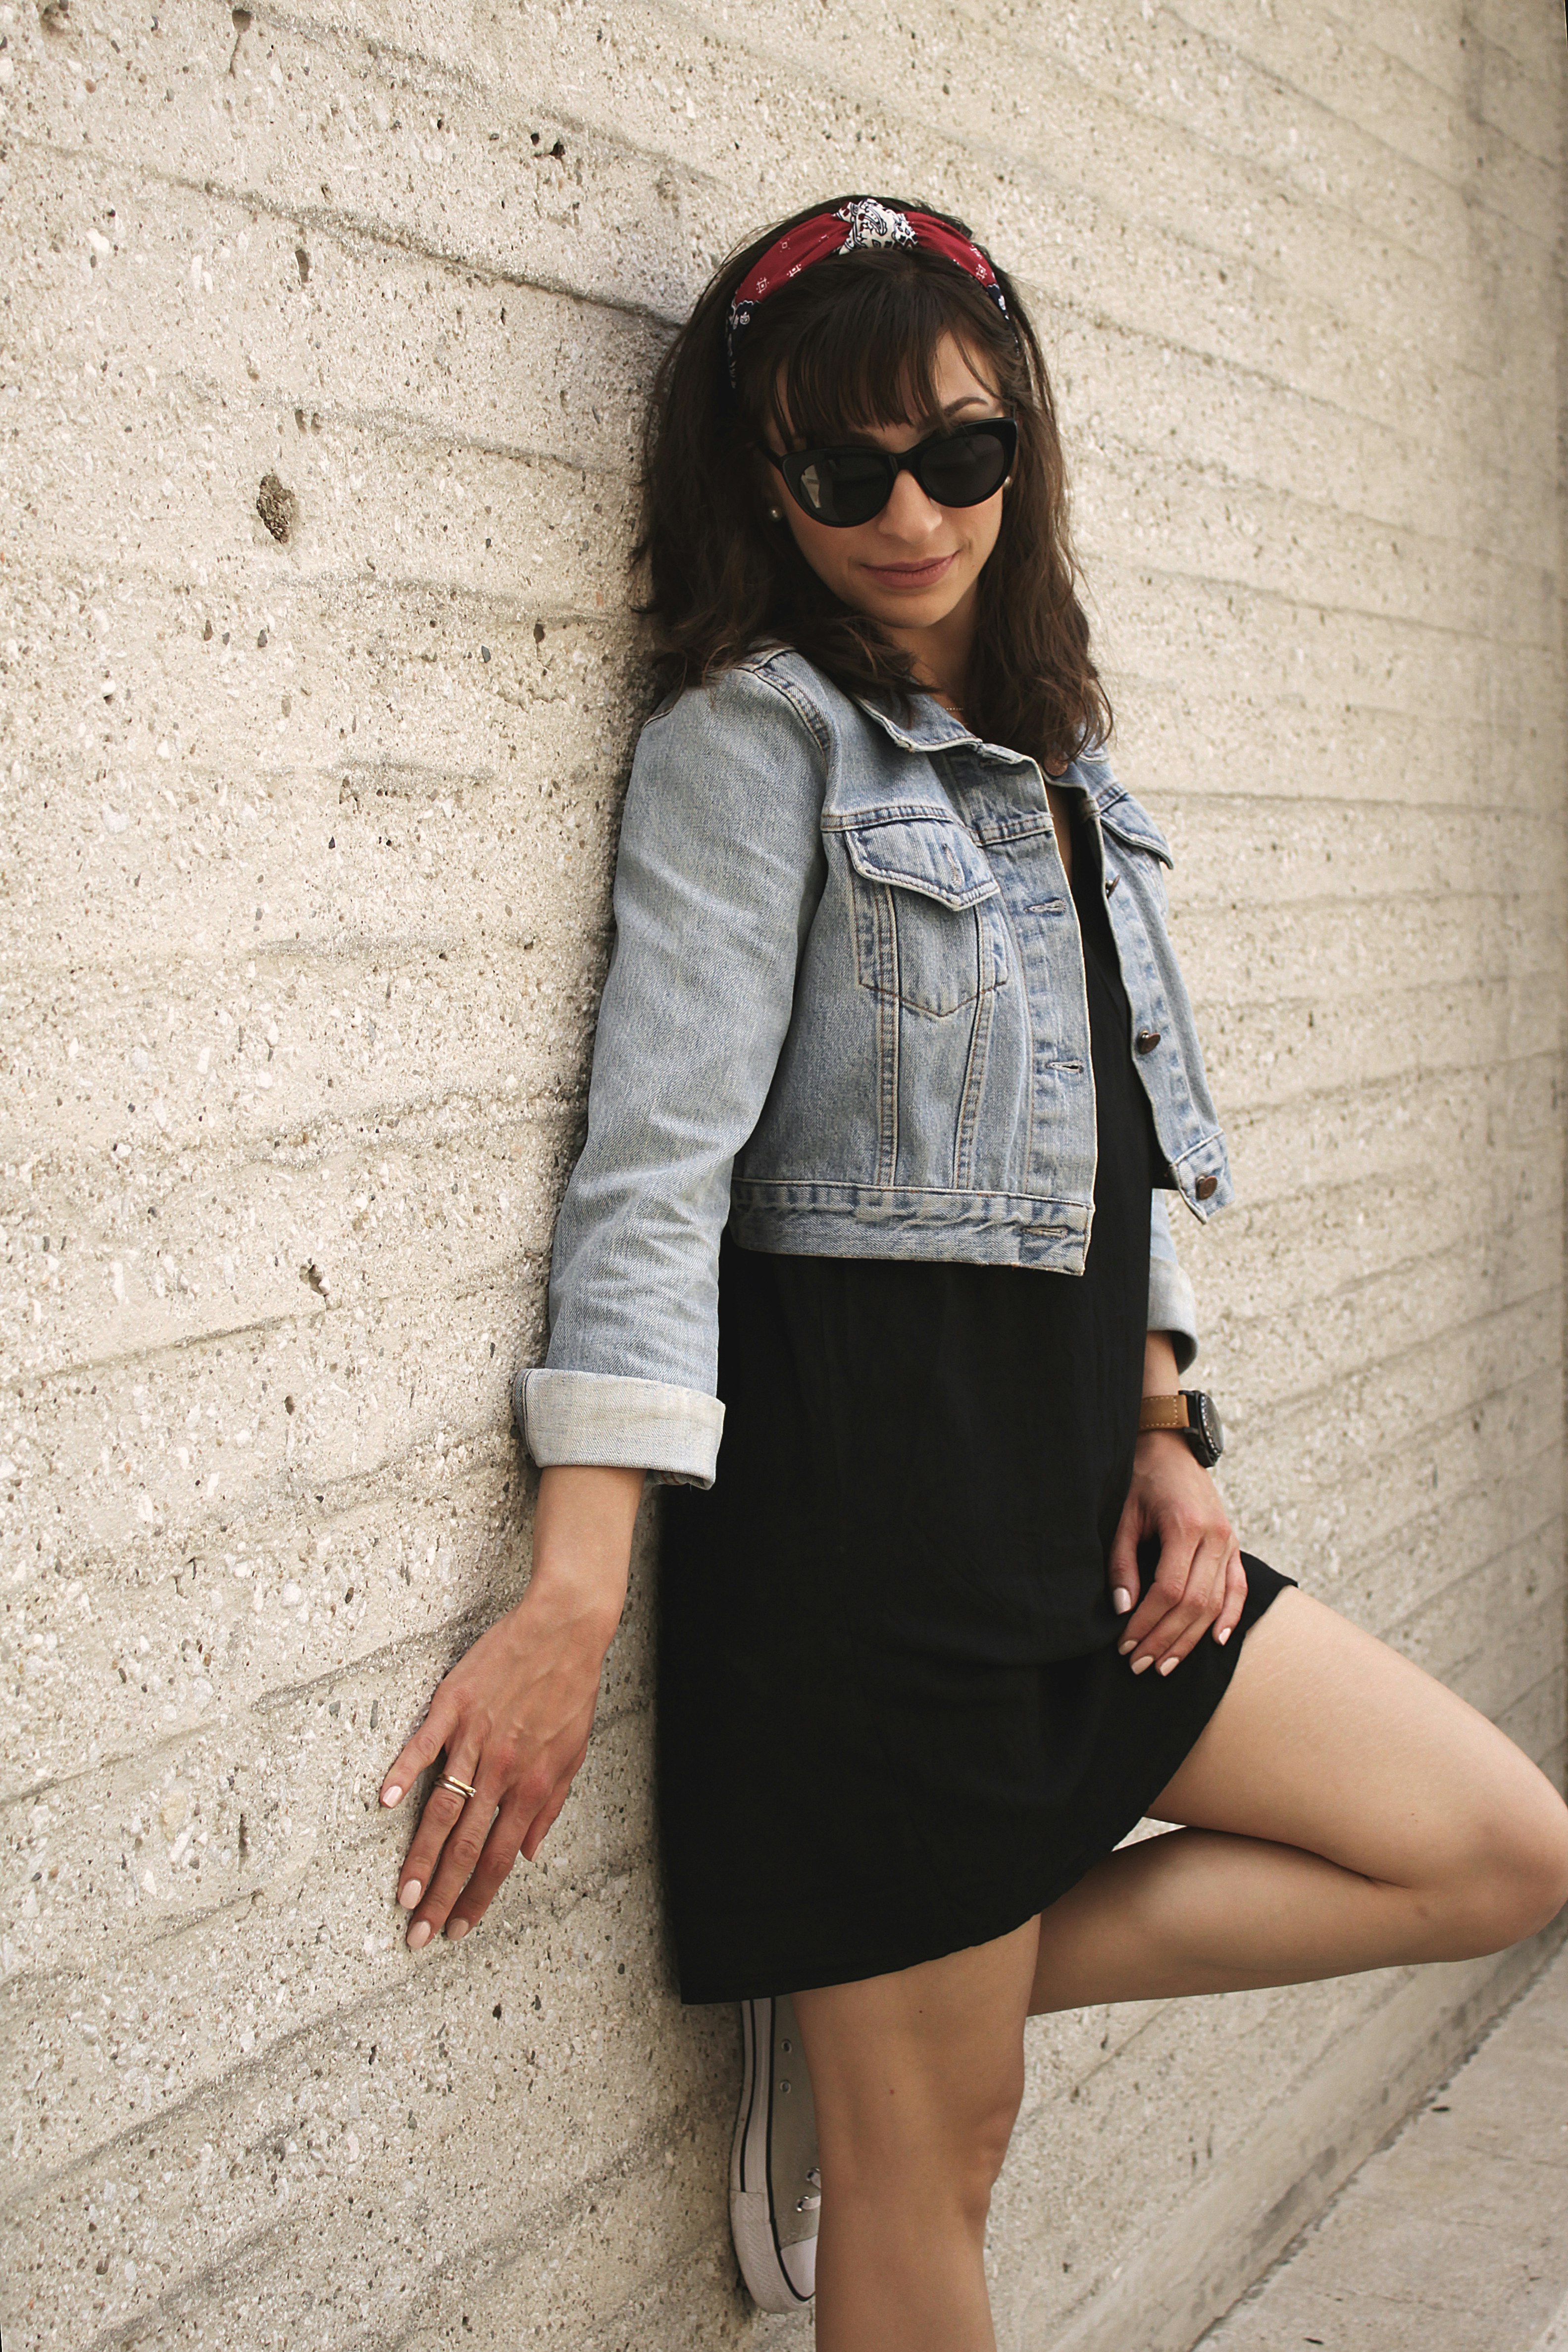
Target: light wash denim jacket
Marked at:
846, 1012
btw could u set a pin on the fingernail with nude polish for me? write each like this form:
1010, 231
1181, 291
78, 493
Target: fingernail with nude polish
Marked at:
409, 1893
1125, 1648
1223, 1635
1121, 1602
391, 1796
1142, 1666
419, 1934
1170, 1665
456, 1930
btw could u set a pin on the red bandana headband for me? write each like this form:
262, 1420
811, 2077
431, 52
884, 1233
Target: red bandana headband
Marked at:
863, 225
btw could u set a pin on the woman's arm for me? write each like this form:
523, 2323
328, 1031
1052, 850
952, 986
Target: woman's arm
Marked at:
514, 1715
717, 875
719, 872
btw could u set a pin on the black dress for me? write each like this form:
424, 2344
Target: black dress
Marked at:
893, 1721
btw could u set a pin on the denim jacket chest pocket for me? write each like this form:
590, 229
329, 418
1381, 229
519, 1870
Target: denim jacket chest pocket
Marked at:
919, 886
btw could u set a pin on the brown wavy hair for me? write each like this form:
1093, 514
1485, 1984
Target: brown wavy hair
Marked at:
849, 344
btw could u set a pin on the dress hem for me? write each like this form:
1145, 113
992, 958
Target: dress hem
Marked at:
813, 1976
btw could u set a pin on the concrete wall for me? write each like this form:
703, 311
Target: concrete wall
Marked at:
308, 822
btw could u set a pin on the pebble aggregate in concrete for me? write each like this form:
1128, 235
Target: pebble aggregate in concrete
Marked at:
324, 346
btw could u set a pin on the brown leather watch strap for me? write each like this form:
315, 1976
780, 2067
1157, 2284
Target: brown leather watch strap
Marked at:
1164, 1412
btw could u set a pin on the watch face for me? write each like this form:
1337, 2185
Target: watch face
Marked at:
1208, 1423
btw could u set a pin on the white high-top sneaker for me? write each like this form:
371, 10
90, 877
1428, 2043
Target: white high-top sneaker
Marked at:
775, 2188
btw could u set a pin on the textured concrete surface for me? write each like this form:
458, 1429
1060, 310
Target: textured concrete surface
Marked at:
324, 339
1454, 2238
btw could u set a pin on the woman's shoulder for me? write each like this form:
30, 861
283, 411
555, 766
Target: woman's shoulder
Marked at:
773, 687
743, 749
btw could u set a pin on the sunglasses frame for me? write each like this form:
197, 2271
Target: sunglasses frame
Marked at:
793, 463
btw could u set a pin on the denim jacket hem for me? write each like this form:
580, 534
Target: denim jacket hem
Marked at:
827, 1220
983, 1229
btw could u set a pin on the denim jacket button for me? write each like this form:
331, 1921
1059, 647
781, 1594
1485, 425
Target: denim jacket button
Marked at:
1206, 1186
1146, 1040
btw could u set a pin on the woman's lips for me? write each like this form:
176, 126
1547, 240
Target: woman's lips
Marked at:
911, 575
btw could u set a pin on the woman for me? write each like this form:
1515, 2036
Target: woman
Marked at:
894, 1073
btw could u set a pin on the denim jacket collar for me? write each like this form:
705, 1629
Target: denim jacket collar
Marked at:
930, 728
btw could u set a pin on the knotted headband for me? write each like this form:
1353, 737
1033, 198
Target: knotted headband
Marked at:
862, 226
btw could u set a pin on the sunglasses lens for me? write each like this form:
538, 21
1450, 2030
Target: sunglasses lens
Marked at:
965, 468
843, 486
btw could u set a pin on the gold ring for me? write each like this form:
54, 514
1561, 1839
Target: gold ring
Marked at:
458, 1787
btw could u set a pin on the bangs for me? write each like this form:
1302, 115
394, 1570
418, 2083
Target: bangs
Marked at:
851, 345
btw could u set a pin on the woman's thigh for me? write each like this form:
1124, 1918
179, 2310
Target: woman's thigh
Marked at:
1329, 1740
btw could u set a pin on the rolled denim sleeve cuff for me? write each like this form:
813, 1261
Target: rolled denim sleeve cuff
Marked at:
1173, 1308
605, 1420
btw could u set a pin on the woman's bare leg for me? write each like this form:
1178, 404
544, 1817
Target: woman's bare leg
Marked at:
1345, 1812
916, 2078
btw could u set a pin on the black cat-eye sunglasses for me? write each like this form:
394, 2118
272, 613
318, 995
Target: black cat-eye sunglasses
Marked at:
849, 486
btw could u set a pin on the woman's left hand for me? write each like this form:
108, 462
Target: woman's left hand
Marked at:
1199, 1582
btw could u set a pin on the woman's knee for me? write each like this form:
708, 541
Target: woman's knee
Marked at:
1511, 1878
927, 2137
989, 2129
918, 2076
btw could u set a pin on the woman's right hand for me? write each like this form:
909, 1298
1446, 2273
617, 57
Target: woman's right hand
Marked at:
514, 1715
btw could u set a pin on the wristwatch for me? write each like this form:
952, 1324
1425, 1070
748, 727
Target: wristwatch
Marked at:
1192, 1415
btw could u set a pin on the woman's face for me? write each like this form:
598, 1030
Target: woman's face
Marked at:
914, 566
